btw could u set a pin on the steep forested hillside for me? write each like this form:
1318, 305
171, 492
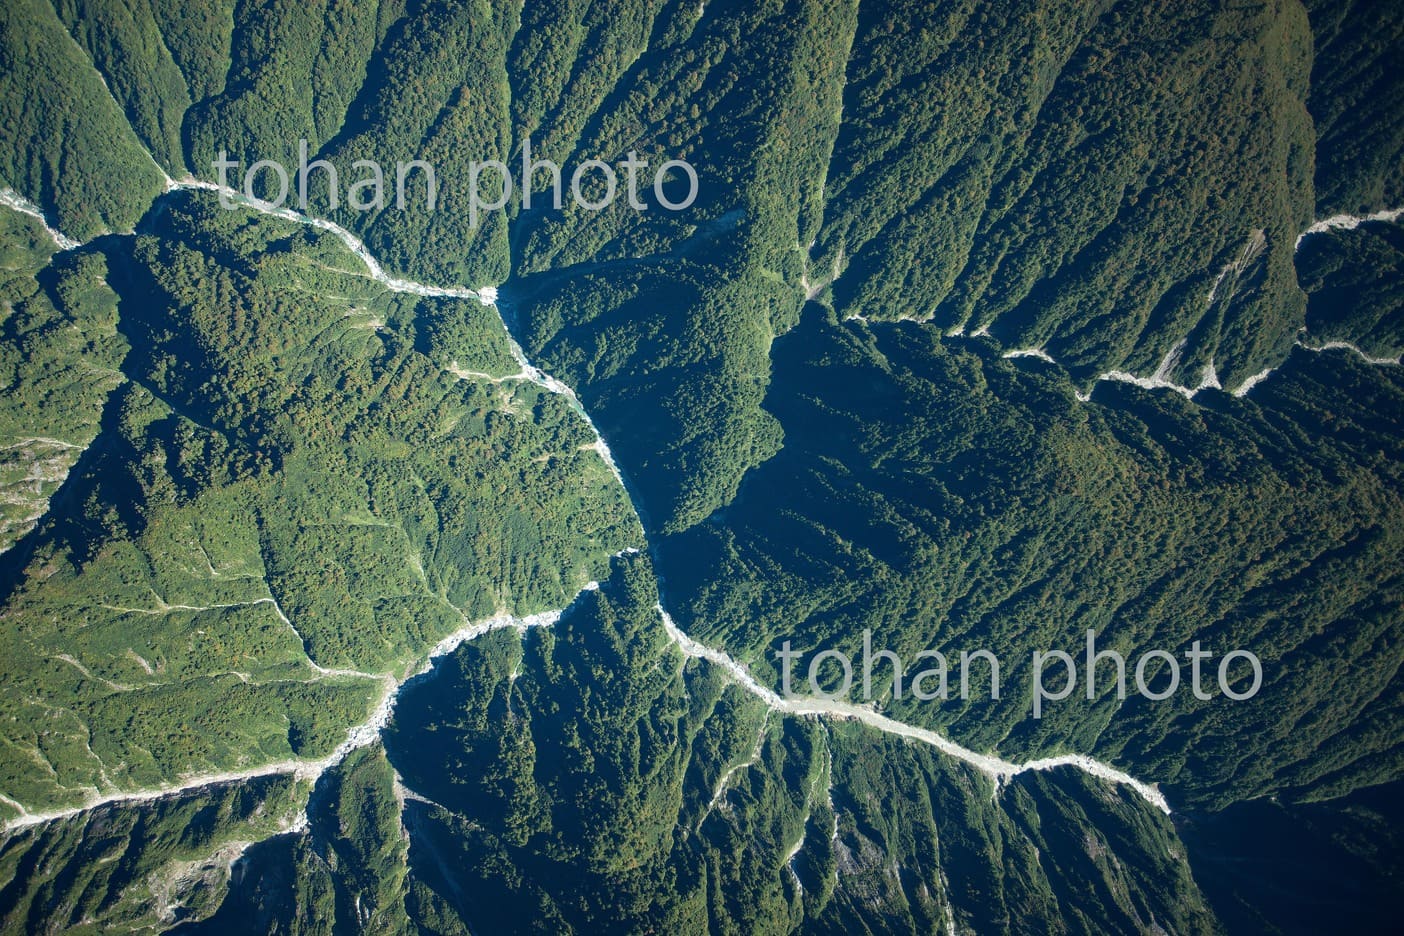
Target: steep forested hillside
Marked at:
1067, 177
327, 607
1355, 85
945, 498
305, 482
60, 357
587, 780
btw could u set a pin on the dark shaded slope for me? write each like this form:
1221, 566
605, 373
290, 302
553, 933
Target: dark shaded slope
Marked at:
1357, 80
947, 499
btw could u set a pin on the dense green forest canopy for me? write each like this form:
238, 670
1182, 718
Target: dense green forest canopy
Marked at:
303, 480
908, 364
1071, 177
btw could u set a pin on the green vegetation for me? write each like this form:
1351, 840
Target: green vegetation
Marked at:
1356, 85
66, 145
586, 781
440, 96
1023, 169
947, 499
348, 873
133, 867
244, 488
1072, 178
291, 473
59, 362
1026, 170
124, 42
1355, 287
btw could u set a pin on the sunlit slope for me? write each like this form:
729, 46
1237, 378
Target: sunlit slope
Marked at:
299, 486
587, 778
298, 481
135, 868
59, 362
1070, 178
628, 790
67, 146
1082, 195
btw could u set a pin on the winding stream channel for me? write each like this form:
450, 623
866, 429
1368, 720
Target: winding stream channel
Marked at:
996, 768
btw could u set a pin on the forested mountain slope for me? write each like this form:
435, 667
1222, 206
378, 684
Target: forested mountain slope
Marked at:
305, 482
989, 325
590, 780
1025, 171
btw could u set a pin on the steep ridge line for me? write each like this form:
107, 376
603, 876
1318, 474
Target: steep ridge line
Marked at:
487, 295
358, 737
996, 768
